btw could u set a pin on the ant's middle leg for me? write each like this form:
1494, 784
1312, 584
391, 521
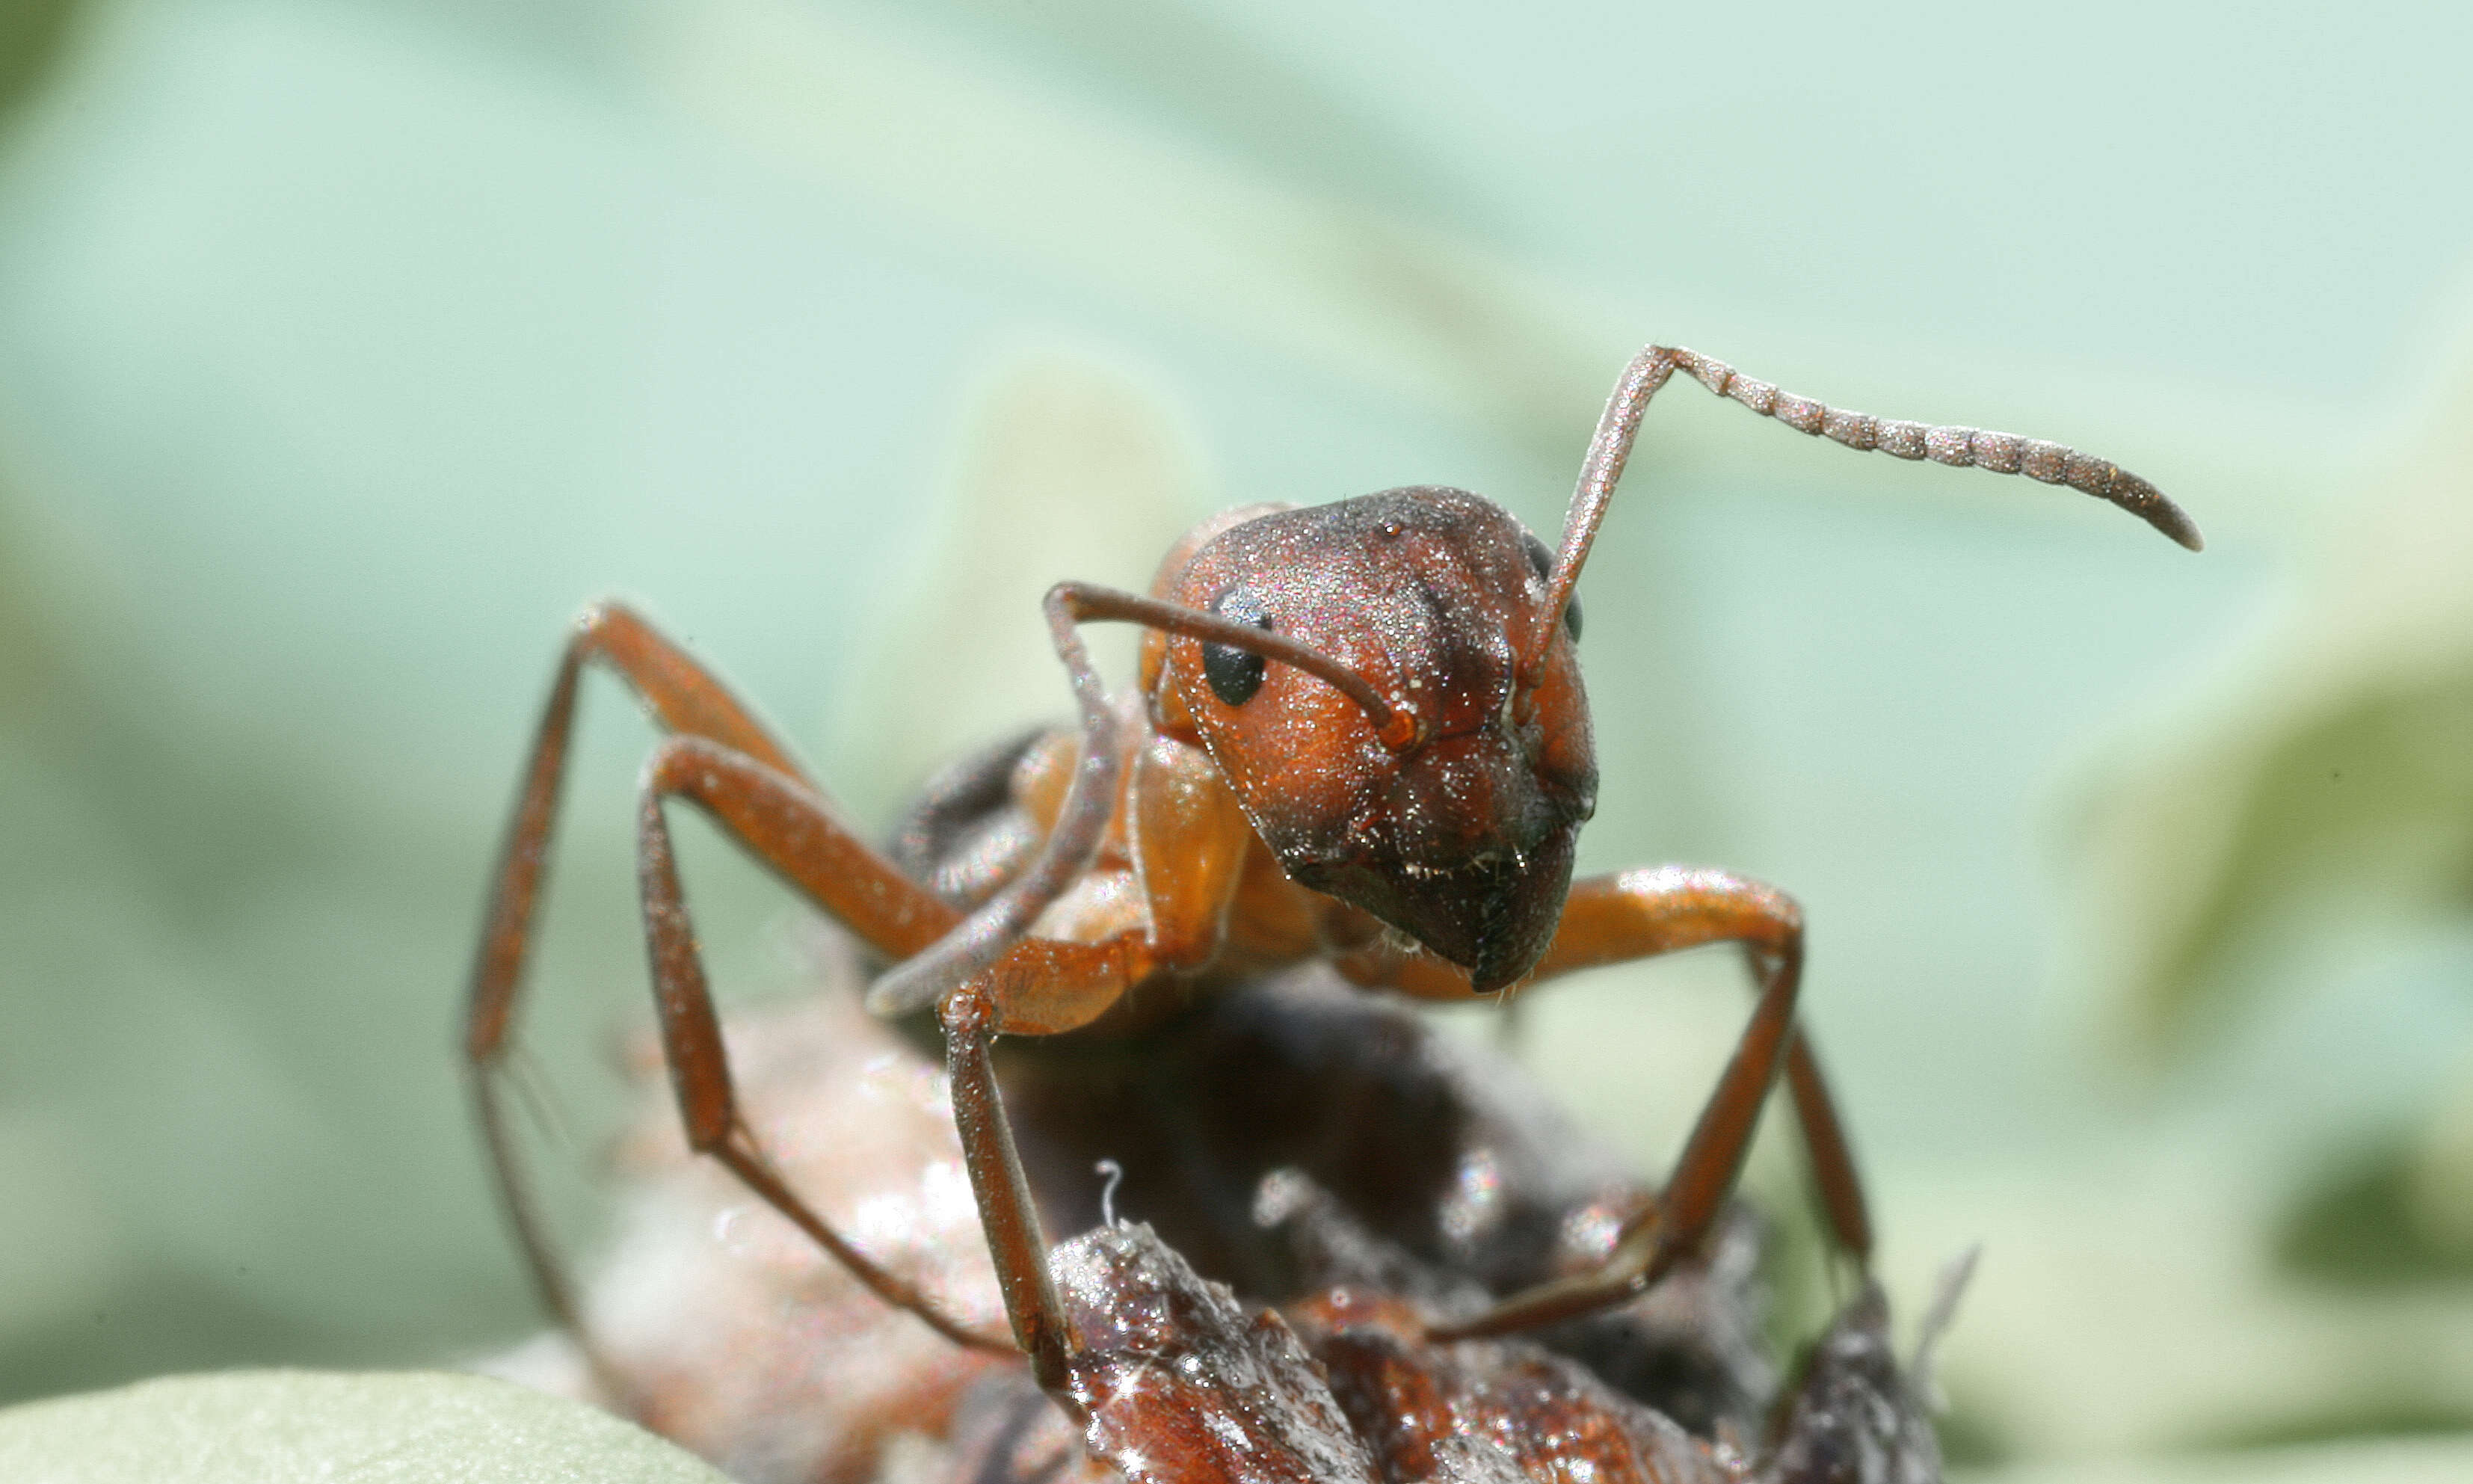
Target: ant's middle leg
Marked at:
984, 959
974, 966
864, 890
786, 827
895, 915
1641, 914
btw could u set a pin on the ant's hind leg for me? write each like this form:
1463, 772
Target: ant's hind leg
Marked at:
1641, 914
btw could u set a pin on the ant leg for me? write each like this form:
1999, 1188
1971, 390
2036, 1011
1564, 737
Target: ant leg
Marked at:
687, 699
873, 897
783, 823
1644, 912
1834, 1175
1015, 1239
976, 944
1639, 914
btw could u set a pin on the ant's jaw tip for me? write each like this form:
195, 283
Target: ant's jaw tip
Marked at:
1492, 974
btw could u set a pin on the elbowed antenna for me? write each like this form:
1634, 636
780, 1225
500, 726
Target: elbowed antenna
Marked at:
1090, 603
979, 940
2002, 453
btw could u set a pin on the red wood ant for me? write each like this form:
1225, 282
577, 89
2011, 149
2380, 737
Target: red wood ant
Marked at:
1311, 1144
1359, 735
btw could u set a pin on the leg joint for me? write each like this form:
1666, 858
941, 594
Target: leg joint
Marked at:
678, 765
601, 615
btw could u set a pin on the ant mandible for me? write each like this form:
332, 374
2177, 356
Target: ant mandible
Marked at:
1360, 734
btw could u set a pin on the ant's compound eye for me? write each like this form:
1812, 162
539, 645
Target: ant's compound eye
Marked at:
1235, 674
1544, 562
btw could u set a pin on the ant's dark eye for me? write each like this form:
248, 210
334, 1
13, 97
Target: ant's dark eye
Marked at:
1544, 562
1235, 674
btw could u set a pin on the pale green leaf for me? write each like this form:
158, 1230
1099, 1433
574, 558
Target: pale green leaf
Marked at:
278, 1426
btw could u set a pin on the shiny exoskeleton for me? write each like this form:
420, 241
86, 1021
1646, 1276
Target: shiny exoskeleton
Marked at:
1359, 735
1323, 1152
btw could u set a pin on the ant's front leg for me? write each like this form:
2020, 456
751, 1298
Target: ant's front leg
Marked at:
1006, 1211
1641, 914
1188, 839
1633, 915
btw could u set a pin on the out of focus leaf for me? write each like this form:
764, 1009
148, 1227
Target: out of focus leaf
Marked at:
277, 1426
1068, 467
2329, 795
1058, 182
2359, 1226
2333, 784
32, 33
2386, 1461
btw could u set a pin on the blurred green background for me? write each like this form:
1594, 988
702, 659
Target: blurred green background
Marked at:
348, 347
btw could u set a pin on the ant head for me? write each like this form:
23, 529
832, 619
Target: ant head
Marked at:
1452, 816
